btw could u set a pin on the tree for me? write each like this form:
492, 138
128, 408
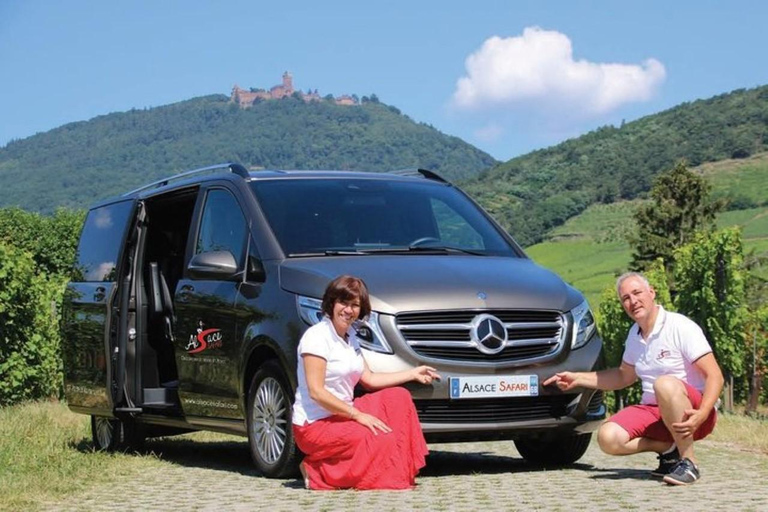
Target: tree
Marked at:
757, 347
680, 206
711, 290
756, 328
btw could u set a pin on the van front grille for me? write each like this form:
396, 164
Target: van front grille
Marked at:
463, 335
493, 410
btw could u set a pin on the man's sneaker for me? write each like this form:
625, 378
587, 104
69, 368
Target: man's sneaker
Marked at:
666, 462
685, 472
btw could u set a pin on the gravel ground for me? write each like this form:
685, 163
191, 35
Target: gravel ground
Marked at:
469, 476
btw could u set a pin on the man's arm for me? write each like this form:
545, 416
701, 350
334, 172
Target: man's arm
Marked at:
606, 380
713, 385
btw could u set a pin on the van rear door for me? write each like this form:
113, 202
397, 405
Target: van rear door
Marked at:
90, 319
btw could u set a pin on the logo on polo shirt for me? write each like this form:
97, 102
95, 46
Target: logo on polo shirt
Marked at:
663, 354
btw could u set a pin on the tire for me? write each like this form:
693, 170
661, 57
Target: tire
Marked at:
270, 432
112, 434
554, 451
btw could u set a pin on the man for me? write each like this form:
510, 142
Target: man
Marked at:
681, 383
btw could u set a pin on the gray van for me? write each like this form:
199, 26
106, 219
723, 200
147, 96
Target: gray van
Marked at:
191, 294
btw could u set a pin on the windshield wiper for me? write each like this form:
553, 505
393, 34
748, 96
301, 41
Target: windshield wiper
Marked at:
438, 249
442, 249
329, 252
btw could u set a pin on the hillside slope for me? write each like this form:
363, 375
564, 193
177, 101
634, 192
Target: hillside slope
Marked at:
538, 191
591, 249
80, 162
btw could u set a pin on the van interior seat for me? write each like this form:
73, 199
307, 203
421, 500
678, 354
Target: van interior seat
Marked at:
162, 315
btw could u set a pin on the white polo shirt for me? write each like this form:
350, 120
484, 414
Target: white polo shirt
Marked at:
344, 366
671, 349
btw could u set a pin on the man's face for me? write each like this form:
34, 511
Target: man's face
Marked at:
637, 298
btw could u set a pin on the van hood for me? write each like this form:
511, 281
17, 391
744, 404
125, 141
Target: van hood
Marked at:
401, 283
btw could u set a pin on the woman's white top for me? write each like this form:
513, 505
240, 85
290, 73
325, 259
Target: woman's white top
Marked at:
344, 366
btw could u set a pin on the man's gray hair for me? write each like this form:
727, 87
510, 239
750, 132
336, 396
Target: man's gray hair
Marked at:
626, 275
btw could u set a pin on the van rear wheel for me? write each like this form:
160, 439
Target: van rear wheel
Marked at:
112, 434
554, 451
270, 433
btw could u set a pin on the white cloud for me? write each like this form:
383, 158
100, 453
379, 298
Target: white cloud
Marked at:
537, 69
103, 218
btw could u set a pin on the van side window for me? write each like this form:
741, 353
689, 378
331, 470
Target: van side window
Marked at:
222, 227
100, 242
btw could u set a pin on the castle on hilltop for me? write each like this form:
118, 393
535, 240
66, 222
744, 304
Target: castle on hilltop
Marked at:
246, 98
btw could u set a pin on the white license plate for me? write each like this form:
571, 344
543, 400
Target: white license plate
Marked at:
494, 386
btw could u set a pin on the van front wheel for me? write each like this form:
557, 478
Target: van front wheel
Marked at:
112, 434
554, 451
270, 433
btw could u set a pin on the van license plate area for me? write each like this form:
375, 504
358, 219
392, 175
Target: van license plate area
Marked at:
494, 386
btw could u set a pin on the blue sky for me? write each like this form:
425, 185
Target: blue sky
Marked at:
507, 76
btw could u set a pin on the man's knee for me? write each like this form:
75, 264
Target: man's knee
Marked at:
667, 387
612, 437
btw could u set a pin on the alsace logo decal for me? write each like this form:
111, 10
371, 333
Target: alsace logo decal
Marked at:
204, 339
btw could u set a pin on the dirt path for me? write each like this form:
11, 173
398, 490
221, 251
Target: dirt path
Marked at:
218, 476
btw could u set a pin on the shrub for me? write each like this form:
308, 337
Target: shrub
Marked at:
30, 363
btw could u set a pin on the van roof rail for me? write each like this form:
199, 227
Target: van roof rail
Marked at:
425, 173
231, 166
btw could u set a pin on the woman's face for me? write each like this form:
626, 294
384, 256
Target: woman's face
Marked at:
344, 313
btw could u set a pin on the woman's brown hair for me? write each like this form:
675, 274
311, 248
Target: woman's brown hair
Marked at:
346, 288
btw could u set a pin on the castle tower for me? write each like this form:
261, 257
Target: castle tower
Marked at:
288, 83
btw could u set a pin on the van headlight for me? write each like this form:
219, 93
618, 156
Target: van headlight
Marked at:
368, 330
310, 310
583, 325
370, 335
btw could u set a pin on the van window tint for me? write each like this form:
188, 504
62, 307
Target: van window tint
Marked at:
315, 215
222, 227
100, 242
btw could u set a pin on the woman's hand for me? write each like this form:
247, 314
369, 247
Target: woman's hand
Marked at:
425, 374
372, 422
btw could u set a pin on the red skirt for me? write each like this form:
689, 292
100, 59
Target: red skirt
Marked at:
340, 453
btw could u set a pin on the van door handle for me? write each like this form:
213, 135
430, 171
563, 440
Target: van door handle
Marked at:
99, 294
185, 291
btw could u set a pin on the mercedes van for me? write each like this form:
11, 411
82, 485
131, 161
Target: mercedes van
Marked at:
191, 294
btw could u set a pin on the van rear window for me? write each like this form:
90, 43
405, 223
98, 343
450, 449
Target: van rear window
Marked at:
100, 242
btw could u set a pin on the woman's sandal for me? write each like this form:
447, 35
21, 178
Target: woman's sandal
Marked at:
304, 474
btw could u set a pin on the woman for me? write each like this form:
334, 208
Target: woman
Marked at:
372, 442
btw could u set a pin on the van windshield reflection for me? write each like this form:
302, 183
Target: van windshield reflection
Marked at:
346, 216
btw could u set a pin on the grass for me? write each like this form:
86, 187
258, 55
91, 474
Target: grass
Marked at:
742, 431
600, 223
587, 265
46, 453
745, 178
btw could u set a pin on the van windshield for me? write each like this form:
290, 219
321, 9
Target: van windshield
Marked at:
328, 216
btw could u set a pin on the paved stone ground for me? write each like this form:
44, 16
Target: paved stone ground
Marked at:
470, 476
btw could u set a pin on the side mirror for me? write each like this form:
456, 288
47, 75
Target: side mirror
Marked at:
220, 265
256, 272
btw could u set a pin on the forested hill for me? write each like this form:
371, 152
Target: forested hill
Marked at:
79, 163
535, 192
